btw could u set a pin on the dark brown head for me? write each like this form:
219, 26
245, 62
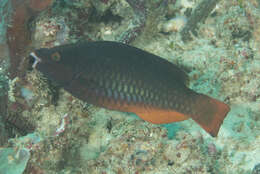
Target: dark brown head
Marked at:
54, 64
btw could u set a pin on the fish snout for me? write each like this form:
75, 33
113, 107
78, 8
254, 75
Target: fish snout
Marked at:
35, 59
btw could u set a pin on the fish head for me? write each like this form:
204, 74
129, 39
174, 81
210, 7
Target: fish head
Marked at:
54, 64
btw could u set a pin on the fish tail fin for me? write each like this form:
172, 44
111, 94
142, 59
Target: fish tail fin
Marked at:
210, 114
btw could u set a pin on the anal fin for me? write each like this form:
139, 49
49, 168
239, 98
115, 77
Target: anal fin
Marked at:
159, 116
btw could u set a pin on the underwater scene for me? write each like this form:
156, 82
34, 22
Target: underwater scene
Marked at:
129, 86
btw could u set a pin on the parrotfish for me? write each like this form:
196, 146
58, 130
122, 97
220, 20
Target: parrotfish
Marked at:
121, 77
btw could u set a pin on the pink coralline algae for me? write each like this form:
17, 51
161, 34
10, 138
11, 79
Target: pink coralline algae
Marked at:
212, 150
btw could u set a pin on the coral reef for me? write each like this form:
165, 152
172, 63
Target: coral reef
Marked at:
256, 169
222, 61
18, 35
199, 14
5, 11
174, 24
15, 161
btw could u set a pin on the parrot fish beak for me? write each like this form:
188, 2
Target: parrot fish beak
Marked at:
36, 59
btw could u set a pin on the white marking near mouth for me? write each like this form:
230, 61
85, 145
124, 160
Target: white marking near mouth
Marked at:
36, 59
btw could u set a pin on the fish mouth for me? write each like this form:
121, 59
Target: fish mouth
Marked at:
36, 59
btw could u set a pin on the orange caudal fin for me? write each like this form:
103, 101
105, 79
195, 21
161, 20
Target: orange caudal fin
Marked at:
210, 114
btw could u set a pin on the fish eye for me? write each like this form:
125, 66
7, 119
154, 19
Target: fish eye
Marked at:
55, 56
